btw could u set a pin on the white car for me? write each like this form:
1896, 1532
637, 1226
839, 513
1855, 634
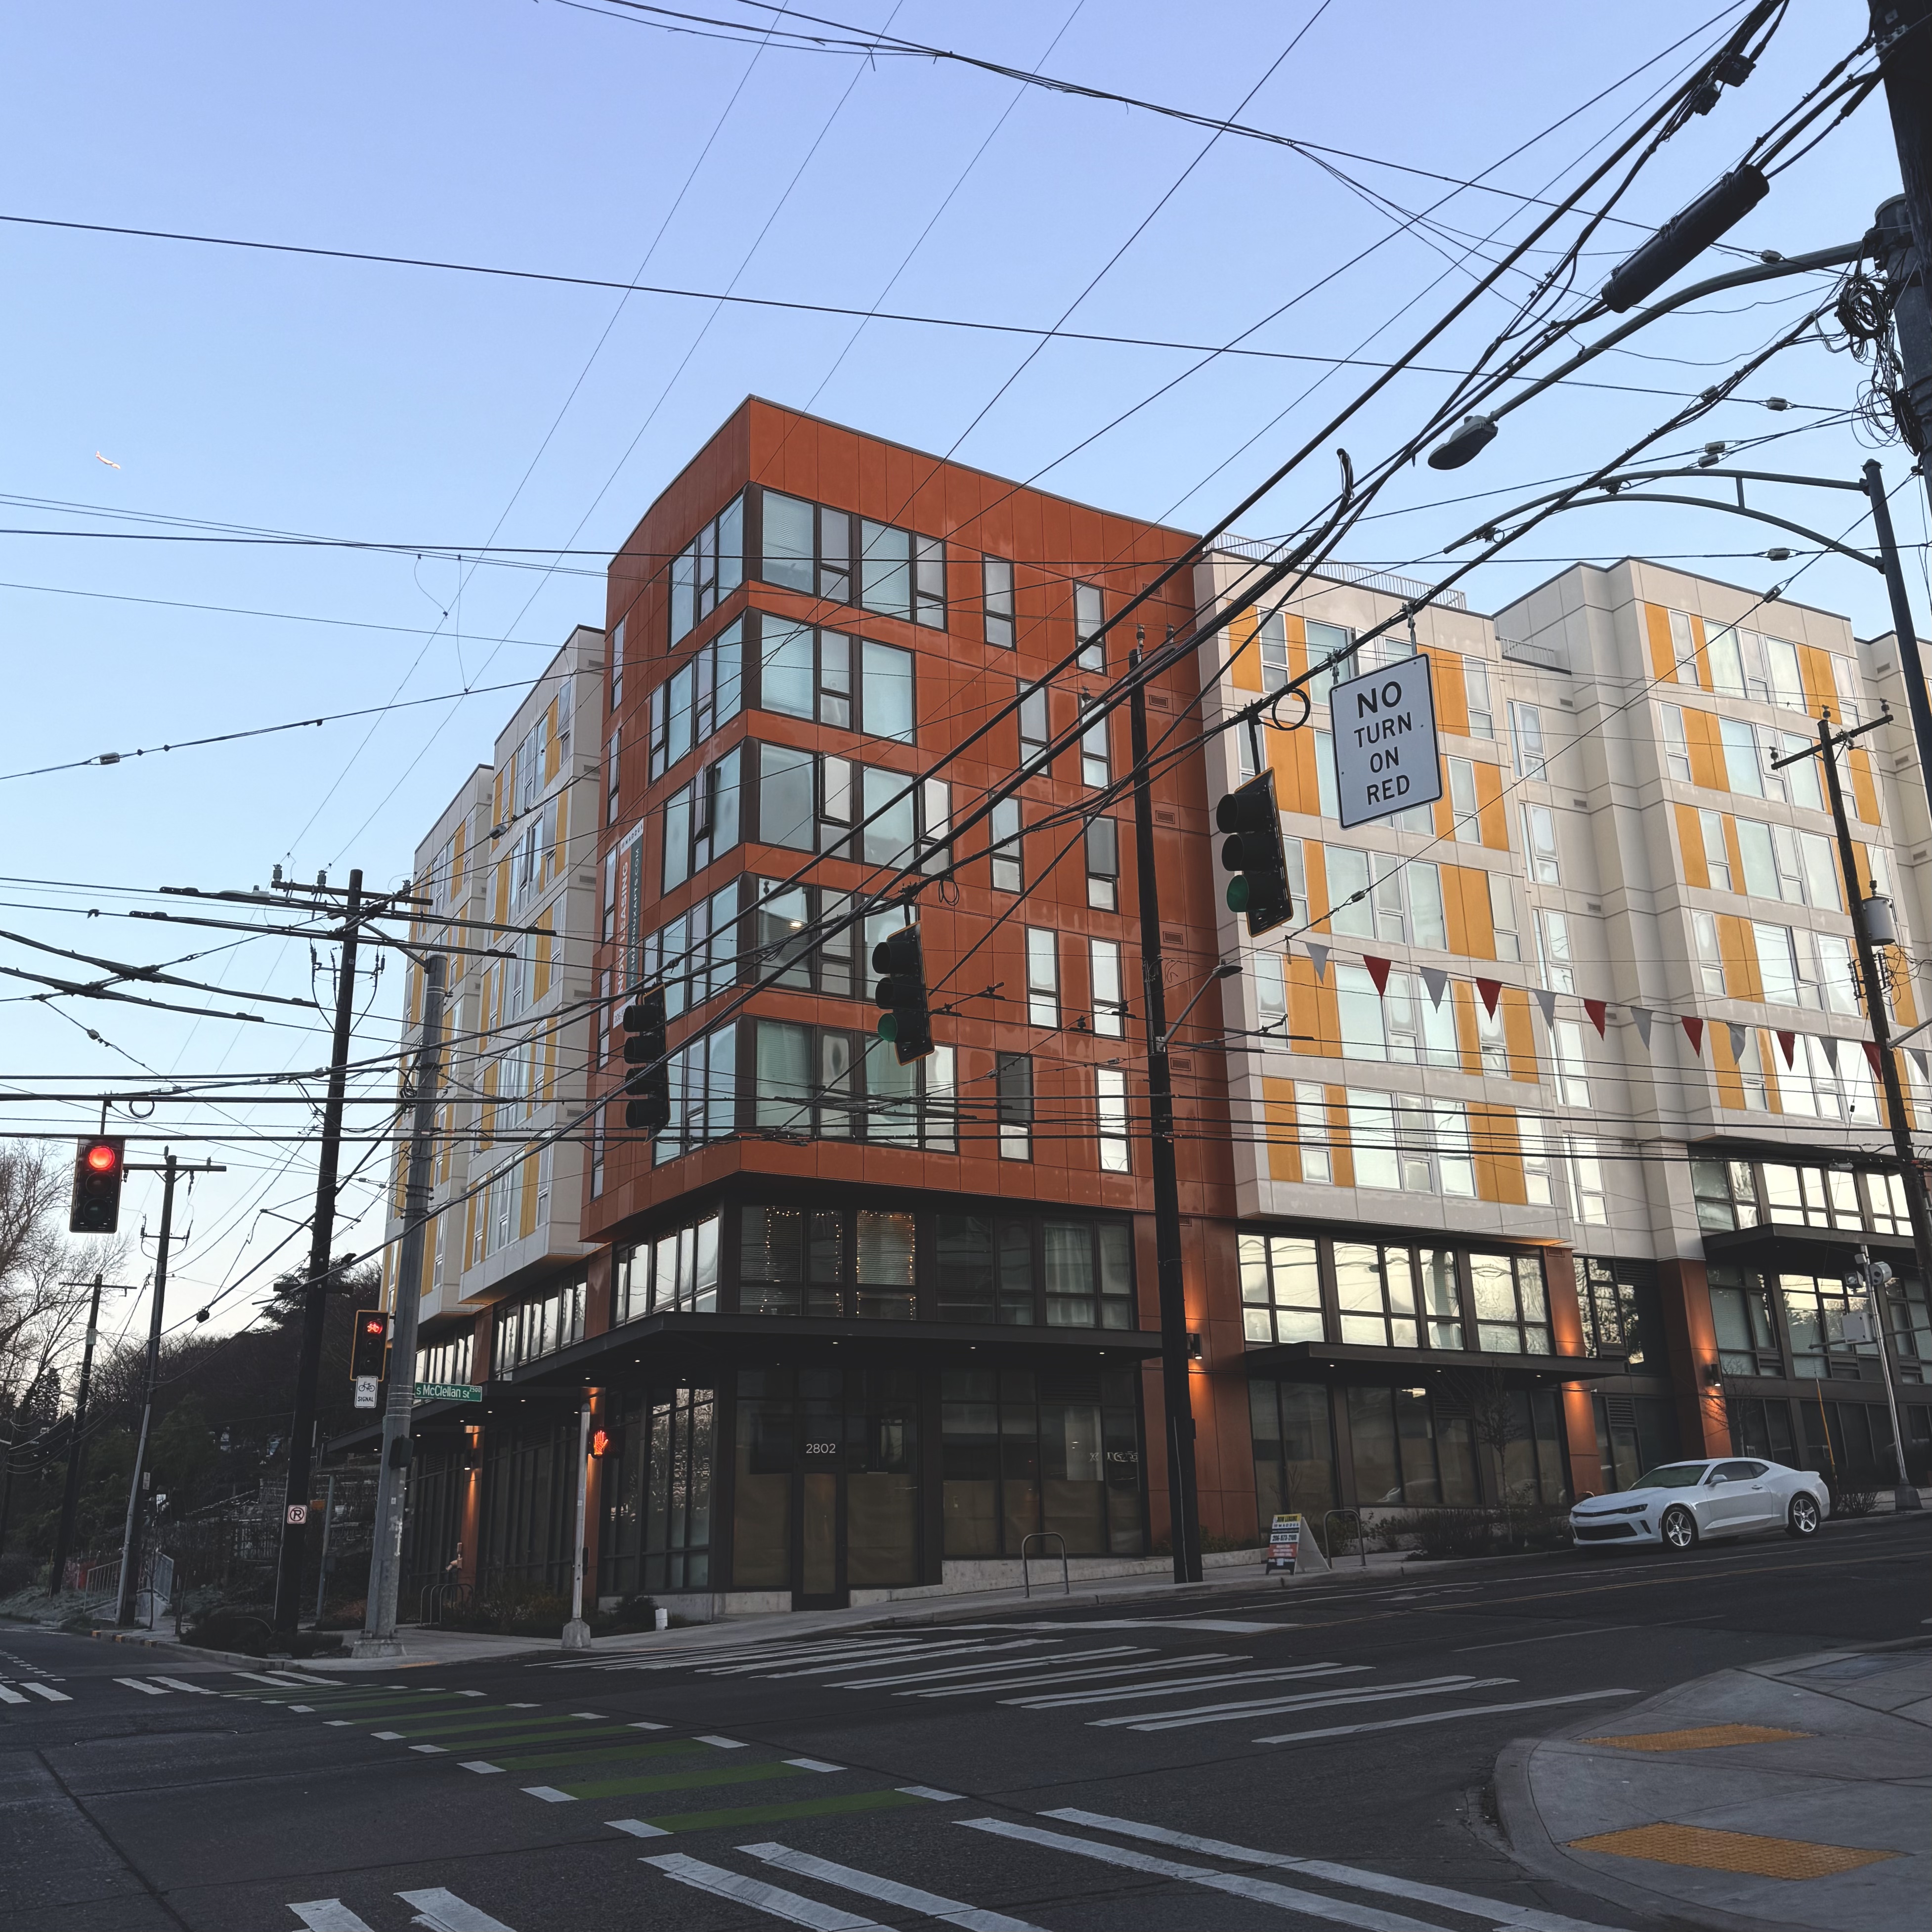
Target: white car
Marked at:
1681, 1503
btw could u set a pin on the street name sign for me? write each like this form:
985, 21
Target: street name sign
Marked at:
448, 1392
1384, 732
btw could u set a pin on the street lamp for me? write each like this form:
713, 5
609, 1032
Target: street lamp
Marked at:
1874, 1280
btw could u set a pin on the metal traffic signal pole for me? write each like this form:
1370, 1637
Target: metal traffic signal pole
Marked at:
379, 1637
315, 1294
76, 1453
1903, 31
1182, 1500
170, 1170
1911, 1173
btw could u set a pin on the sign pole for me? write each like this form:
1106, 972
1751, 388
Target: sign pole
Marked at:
576, 1632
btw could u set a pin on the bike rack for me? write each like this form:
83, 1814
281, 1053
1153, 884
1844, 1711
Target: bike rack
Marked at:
1026, 1572
1361, 1541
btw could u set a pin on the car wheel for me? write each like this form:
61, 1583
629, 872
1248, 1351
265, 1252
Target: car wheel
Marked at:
1678, 1529
1802, 1519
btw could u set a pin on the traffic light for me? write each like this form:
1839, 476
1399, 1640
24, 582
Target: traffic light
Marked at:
98, 1166
603, 1442
370, 1345
649, 1109
1252, 851
905, 1022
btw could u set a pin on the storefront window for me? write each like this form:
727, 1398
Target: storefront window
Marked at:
1295, 1461
657, 1494
1815, 1308
1375, 1290
1281, 1289
1512, 1312
1621, 1311
1024, 1450
1740, 1316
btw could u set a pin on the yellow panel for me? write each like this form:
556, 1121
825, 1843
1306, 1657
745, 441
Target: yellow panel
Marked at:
1865, 797
1514, 1007
1730, 1082
1690, 846
1733, 851
1315, 864
1499, 1150
1468, 1041
1491, 816
1342, 1155
1246, 671
1701, 662
1466, 907
1704, 1737
1814, 674
1296, 632
1663, 651
1292, 755
1739, 951
458, 846
502, 913
527, 1221
1707, 754
1284, 1161
1452, 695
1731, 1851
1312, 1010
552, 749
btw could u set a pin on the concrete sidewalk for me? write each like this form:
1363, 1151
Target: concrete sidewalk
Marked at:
1789, 1796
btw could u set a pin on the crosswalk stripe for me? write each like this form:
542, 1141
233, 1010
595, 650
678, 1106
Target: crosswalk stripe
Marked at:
813, 1764
1247, 1710
637, 1828
1198, 1662
48, 1691
723, 1743
135, 1683
937, 1650
1532, 1918
888, 1891
478, 1764
444, 1911
549, 1793
832, 1657
1264, 1891
8, 1695
297, 1677
1442, 1717
329, 1914
1158, 1688
962, 1670
771, 1899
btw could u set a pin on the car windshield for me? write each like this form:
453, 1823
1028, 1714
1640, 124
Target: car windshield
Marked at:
1672, 1476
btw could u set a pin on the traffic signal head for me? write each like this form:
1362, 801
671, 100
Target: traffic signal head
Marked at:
648, 1110
98, 1166
603, 1442
900, 963
371, 1343
1253, 852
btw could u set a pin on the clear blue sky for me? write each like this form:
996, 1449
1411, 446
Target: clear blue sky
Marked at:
406, 406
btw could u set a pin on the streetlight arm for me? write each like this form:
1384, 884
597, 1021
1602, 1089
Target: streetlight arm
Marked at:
1765, 271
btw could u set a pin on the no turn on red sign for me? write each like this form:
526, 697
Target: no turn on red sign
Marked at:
1385, 751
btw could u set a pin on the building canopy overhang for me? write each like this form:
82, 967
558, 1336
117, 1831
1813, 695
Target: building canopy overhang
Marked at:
1774, 1246
1346, 1362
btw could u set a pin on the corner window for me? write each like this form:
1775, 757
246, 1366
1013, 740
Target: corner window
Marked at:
704, 692
707, 570
678, 1271
819, 1083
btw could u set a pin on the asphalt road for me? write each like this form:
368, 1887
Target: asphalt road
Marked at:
1273, 1759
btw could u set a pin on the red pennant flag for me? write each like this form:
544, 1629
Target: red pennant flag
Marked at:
1871, 1054
1693, 1031
1598, 1010
1378, 971
1787, 1045
1491, 992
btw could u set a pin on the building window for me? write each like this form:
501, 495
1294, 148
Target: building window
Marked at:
1683, 667
1094, 768
1512, 1312
1042, 967
901, 575
1088, 615
1281, 1287
1553, 966
1293, 1450
1103, 966
1476, 689
1589, 1199
1327, 641
1504, 939
1270, 976
854, 683
1815, 1308
1676, 744
1055, 1449
812, 804
1271, 634
677, 1271
1411, 1142
1035, 728
1009, 872
1716, 855
707, 570
1375, 1290
1622, 1313
1526, 739
1463, 808
706, 692
816, 1083
1761, 670
1013, 1084
1398, 1023
1103, 864
695, 956
657, 1493
996, 581
1110, 1107
538, 1325
448, 1360
1311, 1132
1539, 841
1741, 1318
1780, 862
616, 665
701, 821
986, 1271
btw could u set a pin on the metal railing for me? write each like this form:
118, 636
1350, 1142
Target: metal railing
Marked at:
439, 1597
1026, 1572
1361, 1541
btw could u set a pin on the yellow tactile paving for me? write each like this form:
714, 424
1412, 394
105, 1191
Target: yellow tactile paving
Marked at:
1706, 1737
1730, 1851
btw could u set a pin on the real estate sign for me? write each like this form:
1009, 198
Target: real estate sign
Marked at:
1285, 1543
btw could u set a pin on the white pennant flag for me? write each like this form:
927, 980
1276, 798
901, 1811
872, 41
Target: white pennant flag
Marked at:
1547, 1001
1437, 982
1737, 1033
1925, 1066
1319, 954
1829, 1041
1640, 1017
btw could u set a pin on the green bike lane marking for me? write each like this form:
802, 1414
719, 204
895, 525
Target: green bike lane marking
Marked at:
548, 1760
684, 1781
776, 1814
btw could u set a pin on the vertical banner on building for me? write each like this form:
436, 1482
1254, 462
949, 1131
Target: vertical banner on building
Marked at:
627, 924
1384, 736
1285, 1543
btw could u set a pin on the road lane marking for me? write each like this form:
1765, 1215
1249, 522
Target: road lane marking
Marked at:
480, 1764
549, 1793
637, 1828
1532, 1918
937, 1650
682, 1780
434, 1750
329, 1914
1264, 1891
932, 1793
741, 1816
1443, 1716
387, 1737
1555, 1637
47, 1691
961, 1670
8, 1695
444, 1911
1313, 1700
773, 1900
1198, 1662
723, 1743
306, 1710
888, 1891
147, 1690
813, 1764
1061, 1700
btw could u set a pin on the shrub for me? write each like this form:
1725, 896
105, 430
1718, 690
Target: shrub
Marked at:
1854, 1502
249, 1628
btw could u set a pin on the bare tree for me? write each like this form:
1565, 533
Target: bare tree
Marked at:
1497, 1417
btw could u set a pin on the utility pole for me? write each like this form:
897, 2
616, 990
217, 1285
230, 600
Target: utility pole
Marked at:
1902, 30
1911, 668
315, 1294
1911, 1173
379, 1637
76, 1453
1183, 1501
170, 1171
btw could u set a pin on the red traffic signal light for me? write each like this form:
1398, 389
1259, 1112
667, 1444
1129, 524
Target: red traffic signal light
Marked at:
371, 1344
602, 1442
99, 1166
